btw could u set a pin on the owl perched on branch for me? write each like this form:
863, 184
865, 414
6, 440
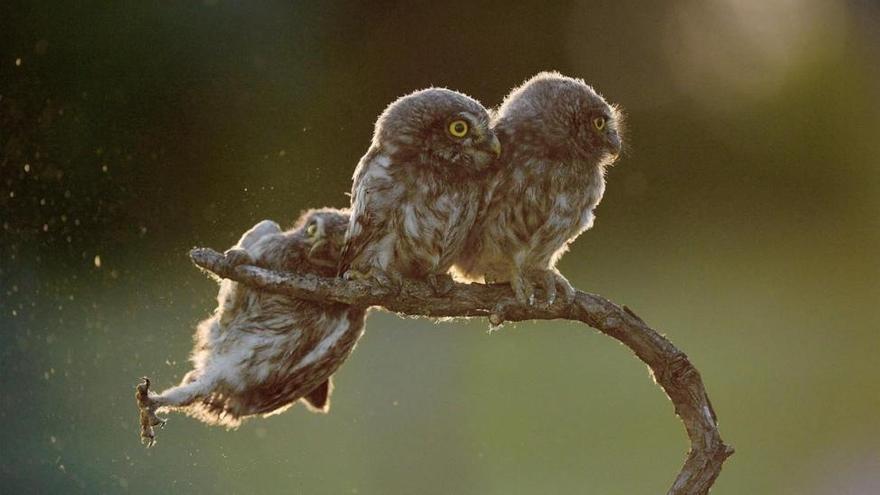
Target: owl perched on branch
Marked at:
261, 352
416, 191
559, 136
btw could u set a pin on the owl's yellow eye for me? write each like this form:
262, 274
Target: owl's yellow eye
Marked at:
599, 123
458, 128
312, 229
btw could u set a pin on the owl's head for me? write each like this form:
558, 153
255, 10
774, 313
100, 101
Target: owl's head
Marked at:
320, 235
440, 128
564, 117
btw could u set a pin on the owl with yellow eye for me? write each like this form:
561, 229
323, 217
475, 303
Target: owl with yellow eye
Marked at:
417, 190
559, 137
260, 353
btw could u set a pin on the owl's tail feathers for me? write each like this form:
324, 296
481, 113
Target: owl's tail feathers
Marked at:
318, 400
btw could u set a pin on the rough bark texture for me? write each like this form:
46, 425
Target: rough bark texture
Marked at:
670, 367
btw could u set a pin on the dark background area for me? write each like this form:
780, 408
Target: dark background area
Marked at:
744, 222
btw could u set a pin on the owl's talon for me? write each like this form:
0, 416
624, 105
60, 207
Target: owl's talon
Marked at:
354, 275
547, 281
147, 408
522, 290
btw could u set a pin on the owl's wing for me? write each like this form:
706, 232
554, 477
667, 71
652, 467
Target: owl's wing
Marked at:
371, 194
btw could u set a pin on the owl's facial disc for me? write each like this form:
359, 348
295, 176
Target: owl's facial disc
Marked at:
316, 237
601, 136
325, 238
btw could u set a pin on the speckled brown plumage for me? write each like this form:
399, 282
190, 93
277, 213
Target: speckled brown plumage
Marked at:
416, 191
261, 352
558, 136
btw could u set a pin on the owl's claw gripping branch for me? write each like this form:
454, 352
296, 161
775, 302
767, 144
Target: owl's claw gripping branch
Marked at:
669, 366
147, 408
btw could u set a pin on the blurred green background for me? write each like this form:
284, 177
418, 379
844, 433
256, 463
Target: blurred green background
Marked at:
743, 222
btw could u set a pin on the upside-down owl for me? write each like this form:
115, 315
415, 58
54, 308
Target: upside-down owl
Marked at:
261, 352
417, 190
558, 136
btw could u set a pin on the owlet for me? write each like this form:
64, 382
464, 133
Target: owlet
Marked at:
417, 190
261, 352
558, 136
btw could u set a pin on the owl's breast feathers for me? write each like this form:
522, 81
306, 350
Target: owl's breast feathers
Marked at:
537, 206
280, 367
411, 212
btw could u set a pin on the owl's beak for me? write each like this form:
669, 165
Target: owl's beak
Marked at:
494, 145
613, 140
316, 248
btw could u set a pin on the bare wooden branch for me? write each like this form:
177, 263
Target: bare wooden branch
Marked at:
670, 367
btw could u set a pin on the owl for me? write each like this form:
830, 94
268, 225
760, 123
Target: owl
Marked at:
417, 190
261, 352
559, 136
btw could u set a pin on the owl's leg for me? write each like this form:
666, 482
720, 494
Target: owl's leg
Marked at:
149, 403
550, 281
183, 395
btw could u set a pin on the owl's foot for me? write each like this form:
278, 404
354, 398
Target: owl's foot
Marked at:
551, 282
147, 407
441, 283
237, 256
554, 283
523, 289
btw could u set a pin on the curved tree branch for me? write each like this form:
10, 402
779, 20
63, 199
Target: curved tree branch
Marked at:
670, 367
